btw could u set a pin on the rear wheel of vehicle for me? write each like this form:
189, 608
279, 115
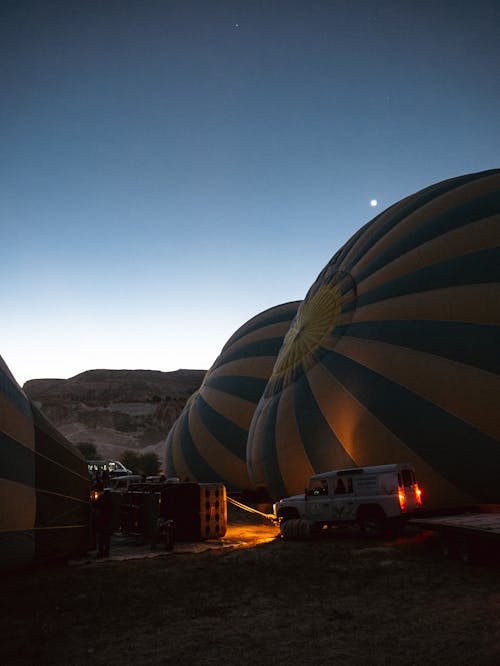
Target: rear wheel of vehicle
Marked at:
372, 521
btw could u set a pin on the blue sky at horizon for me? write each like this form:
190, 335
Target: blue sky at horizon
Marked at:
169, 169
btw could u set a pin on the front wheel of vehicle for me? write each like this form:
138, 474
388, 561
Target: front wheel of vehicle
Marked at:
295, 528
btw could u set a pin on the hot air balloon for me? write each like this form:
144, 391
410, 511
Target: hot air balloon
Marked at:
394, 355
207, 443
44, 484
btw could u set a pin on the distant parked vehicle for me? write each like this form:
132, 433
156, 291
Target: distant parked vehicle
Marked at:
112, 467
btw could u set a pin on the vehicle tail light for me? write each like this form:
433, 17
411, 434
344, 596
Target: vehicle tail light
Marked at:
418, 494
402, 498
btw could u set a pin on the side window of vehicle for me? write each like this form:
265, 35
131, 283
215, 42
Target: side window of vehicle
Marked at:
407, 477
343, 486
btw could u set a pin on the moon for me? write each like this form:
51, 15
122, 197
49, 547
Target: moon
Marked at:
373, 203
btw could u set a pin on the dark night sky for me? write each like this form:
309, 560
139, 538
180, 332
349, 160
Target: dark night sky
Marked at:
169, 169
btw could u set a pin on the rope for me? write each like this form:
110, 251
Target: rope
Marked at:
268, 516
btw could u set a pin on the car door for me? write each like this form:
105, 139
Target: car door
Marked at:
343, 505
319, 501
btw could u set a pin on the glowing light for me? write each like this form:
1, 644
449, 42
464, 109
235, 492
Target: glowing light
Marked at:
373, 203
402, 499
418, 495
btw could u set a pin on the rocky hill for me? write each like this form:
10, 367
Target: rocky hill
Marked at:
116, 410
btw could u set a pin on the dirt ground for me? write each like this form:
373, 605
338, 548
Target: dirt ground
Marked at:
253, 598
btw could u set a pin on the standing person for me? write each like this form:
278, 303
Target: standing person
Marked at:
103, 516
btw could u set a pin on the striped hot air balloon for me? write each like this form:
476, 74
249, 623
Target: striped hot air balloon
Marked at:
394, 354
17, 471
207, 443
44, 484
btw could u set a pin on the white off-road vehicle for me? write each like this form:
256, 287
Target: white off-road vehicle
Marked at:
376, 498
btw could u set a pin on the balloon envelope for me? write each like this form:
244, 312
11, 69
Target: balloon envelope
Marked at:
394, 355
44, 484
207, 443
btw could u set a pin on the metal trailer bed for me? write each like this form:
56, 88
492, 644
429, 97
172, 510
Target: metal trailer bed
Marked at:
465, 536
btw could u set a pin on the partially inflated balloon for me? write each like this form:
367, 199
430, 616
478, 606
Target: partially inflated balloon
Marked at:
394, 355
44, 484
208, 441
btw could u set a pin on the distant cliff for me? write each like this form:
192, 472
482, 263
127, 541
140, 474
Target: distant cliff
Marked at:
116, 410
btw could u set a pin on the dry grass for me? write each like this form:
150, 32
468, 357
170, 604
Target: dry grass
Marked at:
341, 598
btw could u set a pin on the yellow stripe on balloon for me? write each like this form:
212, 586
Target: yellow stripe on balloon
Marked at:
15, 424
253, 366
294, 464
234, 409
23, 498
469, 393
224, 463
255, 445
425, 214
276, 330
470, 303
370, 230
181, 467
355, 427
464, 240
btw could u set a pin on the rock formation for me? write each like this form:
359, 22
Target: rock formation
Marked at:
116, 410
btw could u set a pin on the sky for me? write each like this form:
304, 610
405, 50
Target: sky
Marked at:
171, 168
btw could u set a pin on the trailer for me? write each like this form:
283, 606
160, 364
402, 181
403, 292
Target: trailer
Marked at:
186, 511
469, 535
